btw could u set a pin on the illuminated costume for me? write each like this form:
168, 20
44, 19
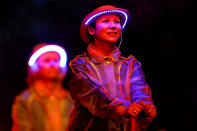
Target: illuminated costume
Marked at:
99, 85
39, 108
34, 111
102, 83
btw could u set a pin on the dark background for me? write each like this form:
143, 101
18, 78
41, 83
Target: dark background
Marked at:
159, 33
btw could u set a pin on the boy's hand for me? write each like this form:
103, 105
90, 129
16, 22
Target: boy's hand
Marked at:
135, 109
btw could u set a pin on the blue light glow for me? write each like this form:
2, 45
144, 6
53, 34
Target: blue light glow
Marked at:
39, 52
109, 11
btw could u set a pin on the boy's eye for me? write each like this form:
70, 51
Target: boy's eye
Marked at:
46, 60
105, 20
55, 60
117, 21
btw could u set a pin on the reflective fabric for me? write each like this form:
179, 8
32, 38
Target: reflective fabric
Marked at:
32, 111
101, 83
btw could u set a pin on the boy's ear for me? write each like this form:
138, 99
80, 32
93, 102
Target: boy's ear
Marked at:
91, 30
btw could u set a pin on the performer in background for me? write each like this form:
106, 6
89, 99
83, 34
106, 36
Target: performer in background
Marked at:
108, 89
44, 105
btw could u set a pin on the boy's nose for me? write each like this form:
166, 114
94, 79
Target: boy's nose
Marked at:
53, 63
112, 24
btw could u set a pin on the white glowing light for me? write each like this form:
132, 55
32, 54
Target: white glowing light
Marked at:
109, 11
39, 52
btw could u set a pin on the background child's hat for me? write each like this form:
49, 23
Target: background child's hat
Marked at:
106, 9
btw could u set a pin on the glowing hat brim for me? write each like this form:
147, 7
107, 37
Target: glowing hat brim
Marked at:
107, 12
48, 48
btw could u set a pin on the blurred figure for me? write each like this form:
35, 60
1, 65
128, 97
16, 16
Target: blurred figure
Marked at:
44, 105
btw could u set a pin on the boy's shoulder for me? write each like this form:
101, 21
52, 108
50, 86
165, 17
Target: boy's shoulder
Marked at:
82, 58
24, 96
129, 59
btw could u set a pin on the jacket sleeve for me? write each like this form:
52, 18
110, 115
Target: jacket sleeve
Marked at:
140, 90
90, 94
21, 122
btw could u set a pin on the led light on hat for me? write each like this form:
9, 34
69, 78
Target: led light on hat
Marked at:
56, 48
109, 11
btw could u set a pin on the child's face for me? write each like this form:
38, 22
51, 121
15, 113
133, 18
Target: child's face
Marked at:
108, 28
49, 65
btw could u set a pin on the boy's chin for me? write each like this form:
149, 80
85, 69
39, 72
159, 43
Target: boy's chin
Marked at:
113, 41
51, 77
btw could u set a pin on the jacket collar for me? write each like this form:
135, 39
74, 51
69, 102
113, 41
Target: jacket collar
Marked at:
114, 56
41, 91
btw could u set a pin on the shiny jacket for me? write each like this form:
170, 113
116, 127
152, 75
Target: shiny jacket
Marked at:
99, 84
33, 111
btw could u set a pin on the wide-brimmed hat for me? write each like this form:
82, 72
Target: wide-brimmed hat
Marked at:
106, 9
43, 48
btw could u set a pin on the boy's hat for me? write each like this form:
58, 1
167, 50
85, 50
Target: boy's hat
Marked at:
106, 9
